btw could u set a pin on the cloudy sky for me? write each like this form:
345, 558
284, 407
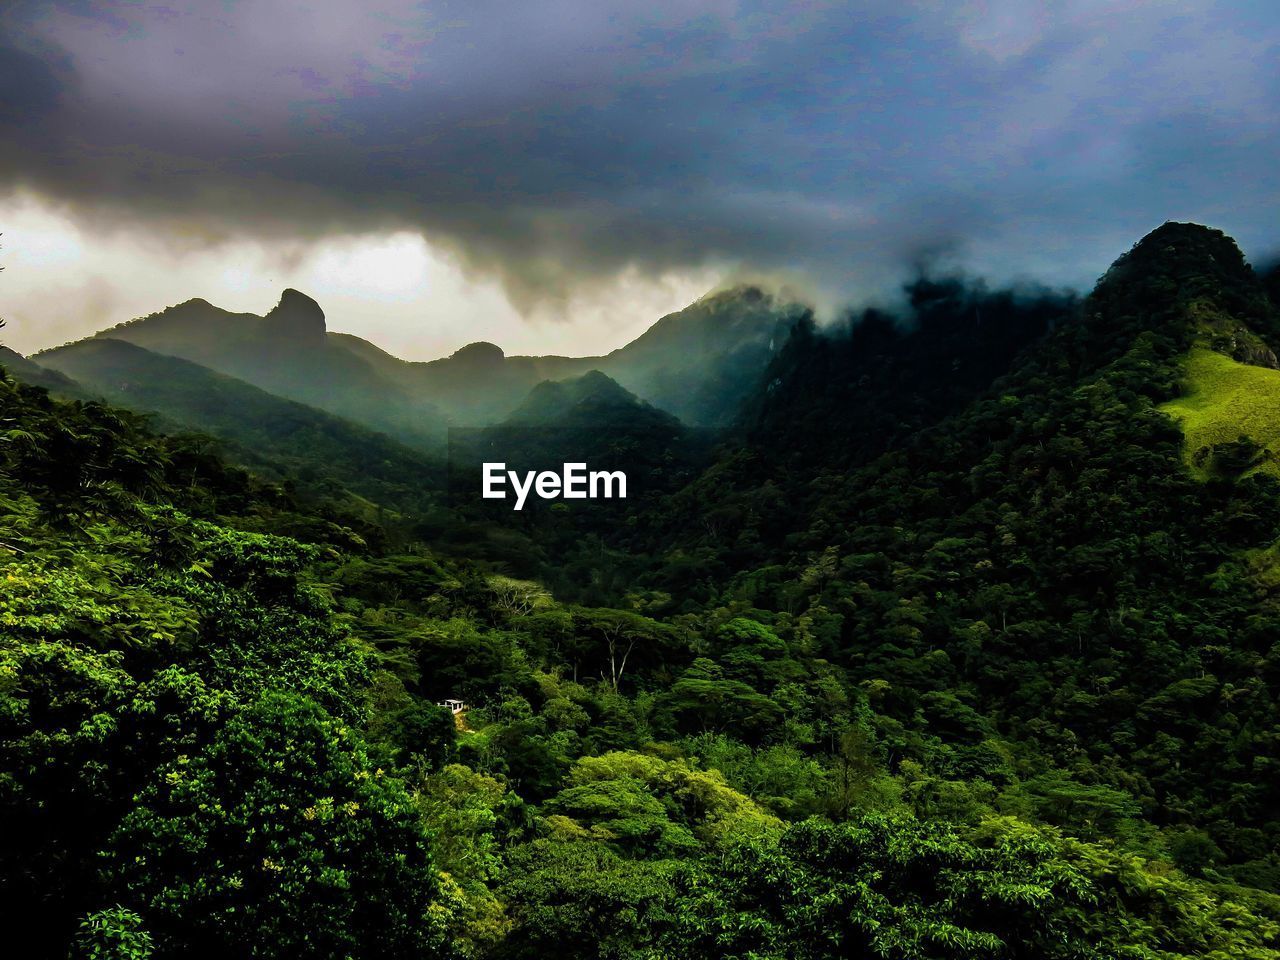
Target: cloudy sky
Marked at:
553, 176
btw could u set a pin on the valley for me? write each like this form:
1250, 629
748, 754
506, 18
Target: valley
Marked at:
948, 632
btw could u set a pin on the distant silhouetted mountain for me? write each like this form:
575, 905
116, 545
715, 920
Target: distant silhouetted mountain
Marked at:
698, 364
287, 352
19, 367
589, 400
261, 429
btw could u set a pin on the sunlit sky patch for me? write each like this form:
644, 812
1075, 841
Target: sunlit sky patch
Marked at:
553, 176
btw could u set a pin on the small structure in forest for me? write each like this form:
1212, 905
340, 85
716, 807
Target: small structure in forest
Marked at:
454, 706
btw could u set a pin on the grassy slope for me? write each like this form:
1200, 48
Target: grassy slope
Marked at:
1225, 400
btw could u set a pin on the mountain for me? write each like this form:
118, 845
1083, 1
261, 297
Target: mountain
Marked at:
590, 399
702, 362
263, 430
873, 380
480, 385
590, 420
947, 650
18, 366
1070, 576
593, 419
288, 352
698, 364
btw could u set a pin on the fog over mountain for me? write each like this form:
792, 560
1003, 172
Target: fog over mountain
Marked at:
699, 479
568, 162
962, 636
699, 363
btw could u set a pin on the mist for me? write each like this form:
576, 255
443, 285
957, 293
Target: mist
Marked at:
582, 164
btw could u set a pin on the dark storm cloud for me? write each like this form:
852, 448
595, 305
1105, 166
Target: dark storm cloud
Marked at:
561, 142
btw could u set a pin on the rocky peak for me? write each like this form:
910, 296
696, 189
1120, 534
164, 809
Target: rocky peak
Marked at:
296, 316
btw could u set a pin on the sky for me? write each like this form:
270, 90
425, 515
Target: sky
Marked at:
554, 176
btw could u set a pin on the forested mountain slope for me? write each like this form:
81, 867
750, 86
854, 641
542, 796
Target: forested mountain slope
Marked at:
1004, 688
260, 429
30, 372
287, 352
699, 363
583, 400
703, 362
580, 548
1049, 568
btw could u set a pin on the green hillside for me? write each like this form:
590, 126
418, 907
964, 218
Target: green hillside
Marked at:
985, 674
287, 352
262, 430
25, 370
1225, 401
699, 363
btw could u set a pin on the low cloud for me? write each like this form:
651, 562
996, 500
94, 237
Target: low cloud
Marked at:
558, 147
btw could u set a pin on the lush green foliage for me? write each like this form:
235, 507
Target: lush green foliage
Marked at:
176, 708
898, 887
919, 667
114, 934
301, 444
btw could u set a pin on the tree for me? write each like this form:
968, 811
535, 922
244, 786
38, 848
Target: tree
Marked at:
881, 886
582, 901
648, 805
704, 700
280, 834
518, 598
623, 634
620, 641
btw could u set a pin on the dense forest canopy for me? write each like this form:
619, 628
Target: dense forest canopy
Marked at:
951, 646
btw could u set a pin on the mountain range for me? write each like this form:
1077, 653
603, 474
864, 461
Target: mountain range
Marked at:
698, 364
949, 631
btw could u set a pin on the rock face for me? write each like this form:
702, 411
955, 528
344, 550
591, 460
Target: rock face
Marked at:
1245, 347
296, 316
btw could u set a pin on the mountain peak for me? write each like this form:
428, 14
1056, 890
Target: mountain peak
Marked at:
481, 353
589, 395
1183, 251
1176, 231
595, 382
297, 315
